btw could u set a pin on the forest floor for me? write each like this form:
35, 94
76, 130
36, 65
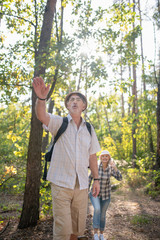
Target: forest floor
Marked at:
132, 215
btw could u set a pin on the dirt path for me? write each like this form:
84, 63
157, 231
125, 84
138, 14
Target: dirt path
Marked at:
131, 216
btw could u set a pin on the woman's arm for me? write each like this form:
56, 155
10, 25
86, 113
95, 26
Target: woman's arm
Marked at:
115, 172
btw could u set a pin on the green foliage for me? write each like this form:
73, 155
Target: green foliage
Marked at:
140, 220
45, 199
14, 134
11, 207
135, 178
144, 176
152, 191
151, 188
17, 56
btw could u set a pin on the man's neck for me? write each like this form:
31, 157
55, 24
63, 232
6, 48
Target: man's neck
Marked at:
77, 119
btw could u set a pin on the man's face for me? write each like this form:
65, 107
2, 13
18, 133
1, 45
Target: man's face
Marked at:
75, 104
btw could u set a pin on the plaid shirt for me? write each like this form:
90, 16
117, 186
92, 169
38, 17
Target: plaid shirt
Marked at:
105, 185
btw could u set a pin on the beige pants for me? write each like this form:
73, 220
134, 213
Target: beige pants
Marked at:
69, 211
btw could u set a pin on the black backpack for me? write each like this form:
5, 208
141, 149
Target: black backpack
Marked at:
61, 130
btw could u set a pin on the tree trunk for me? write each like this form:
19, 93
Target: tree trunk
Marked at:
157, 181
144, 82
151, 146
98, 118
80, 74
142, 55
51, 103
134, 108
134, 117
121, 74
129, 105
30, 211
109, 128
122, 100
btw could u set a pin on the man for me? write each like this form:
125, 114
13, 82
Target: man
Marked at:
74, 151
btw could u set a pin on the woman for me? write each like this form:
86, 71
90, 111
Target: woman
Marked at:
107, 168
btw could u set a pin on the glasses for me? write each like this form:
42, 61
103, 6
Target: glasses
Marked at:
72, 99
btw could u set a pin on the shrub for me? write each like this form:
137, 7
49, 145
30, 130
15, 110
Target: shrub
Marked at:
135, 178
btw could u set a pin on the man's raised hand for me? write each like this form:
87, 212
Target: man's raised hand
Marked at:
40, 88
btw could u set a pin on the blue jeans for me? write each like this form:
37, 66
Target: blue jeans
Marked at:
100, 208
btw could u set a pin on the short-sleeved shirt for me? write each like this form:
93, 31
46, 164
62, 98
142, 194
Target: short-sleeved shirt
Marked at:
71, 153
105, 185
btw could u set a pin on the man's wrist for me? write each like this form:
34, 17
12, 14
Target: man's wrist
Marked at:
96, 179
42, 99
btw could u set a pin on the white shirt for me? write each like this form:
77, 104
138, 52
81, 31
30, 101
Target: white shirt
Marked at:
71, 153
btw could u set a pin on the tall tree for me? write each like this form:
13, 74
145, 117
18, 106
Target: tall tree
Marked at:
157, 182
30, 211
134, 94
151, 147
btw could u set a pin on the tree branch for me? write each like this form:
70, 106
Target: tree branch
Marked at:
15, 16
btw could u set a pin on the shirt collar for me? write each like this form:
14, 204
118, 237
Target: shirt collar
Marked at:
100, 165
70, 118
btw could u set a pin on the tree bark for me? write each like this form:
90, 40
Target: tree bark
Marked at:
144, 82
151, 146
80, 74
129, 105
51, 103
142, 55
30, 211
122, 95
158, 127
157, 166
134, 108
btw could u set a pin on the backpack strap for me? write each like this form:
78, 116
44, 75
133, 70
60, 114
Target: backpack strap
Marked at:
48, 155
88, 125
62, 129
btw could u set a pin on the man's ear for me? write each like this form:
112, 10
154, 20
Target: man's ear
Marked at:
84, 107
67, 105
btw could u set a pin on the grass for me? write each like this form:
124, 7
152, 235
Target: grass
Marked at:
140, 220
